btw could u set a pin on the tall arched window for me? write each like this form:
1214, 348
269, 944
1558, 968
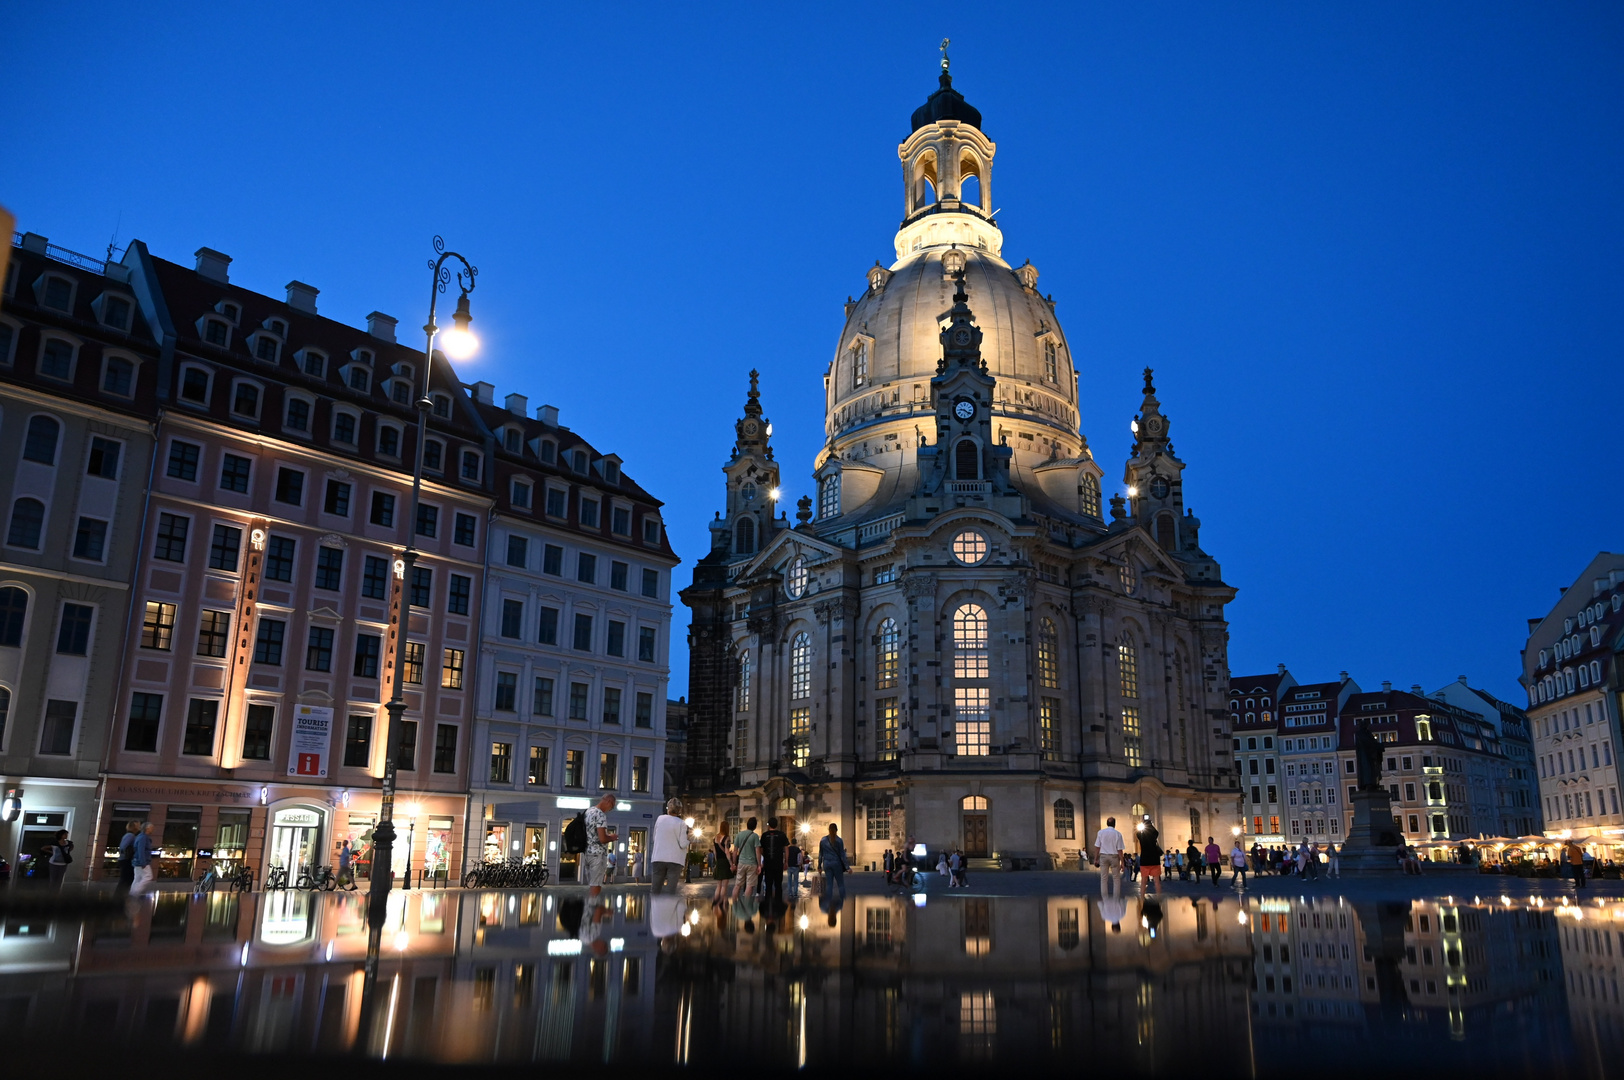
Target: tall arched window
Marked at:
800, 666
972, 723
966, 460
1128, 674
744, 536
27, 522
889, 657
1091, 496
13, 613
1128, 667
1065, 820
39, 444
1048, 655
1051, 361
859, 364
744, 682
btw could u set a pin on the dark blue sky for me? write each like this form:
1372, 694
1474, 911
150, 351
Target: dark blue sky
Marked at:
1373, 252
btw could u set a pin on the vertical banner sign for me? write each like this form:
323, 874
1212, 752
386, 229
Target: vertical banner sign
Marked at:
312, 740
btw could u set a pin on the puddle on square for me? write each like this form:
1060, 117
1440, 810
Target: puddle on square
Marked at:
914, 982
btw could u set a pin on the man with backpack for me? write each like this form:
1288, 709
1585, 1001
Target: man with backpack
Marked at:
773, 846
598, 842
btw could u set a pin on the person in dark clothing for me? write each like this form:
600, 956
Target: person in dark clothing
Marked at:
1150, 856
773, 846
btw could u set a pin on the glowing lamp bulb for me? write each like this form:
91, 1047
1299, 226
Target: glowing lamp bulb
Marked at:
1241, 918
1236, 829
1133, 491
402, 939
806, 827
1133, 426
775, 493
803, 922
459, 344
688, 821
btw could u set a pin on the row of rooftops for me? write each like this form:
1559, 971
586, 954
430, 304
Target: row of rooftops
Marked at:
170, 307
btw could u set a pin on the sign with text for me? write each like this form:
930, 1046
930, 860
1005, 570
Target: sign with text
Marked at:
312, 740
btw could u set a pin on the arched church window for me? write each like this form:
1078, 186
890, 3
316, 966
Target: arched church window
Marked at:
973, 802
797, 581
744, 682
970, 190
1048, 655
925, 182
800, 666
859, 364
744, 537
1166, 532
970, 642
829, 496
1065, 820
888, 658
1091, 496
1051, 361
1128, 667
1129, 577
972, 717
967, 460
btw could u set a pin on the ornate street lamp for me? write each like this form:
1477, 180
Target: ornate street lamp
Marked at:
458, 343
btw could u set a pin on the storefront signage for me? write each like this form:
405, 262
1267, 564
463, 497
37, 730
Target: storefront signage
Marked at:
158, 792
298, 818
312, 740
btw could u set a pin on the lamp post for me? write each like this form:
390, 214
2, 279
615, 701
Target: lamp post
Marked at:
459, 344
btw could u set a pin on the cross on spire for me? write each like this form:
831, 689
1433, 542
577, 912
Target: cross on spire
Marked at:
945, 43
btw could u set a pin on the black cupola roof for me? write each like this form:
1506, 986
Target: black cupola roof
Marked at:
946, 104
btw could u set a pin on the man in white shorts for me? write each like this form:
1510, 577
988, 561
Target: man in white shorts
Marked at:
600, 840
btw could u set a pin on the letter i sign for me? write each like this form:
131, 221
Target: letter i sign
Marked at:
309, 764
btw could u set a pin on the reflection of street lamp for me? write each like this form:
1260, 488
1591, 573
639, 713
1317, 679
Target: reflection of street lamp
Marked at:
459, 343
411, 837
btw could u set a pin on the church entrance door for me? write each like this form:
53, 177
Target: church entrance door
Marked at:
975, 835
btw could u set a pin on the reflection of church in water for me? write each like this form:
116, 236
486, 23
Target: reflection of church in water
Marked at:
958, 640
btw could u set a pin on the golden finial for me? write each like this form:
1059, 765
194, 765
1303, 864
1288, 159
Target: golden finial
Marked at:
944, 55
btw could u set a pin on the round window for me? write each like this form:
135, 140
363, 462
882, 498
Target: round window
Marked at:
748, 491
796, 584
969, 547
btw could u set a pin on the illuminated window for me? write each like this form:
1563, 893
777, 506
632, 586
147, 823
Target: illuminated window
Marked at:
1048, 655
1130, 578
1048, 720
885, 728
744, 682
796, 583
970, 642
800, 666
972, 726
1131, 746
969, 547
1128, 667
1091, 496
1065, 820
888, 659
800, 733
741, 741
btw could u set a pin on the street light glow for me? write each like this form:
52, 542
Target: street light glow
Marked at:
459, 344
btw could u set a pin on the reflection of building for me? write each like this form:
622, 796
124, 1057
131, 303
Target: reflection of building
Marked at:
573, 647
962, 640
72, 342
1572, 674
1592, 944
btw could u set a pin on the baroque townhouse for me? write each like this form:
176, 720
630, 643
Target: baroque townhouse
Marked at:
574, 642
1254, 711
1572, 672
265, 601
78, 365
1309, 719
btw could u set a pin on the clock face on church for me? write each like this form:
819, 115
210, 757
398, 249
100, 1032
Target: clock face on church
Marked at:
964, 410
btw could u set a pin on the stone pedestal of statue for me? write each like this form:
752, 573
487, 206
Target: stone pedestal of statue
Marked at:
1373, 840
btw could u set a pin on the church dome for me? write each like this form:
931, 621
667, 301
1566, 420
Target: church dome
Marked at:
946, 104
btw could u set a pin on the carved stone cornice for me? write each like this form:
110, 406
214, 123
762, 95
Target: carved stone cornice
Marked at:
837, 608
1016, 587
764, 624
918, 583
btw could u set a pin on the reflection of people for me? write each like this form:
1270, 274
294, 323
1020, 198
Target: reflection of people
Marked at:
1113, 909
665, 915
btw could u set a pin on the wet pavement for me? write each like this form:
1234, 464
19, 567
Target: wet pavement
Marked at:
1451, 973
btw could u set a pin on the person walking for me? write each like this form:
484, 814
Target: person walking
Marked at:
346, 864
1108, 848
888, 862
669, 852
1576, 860
141, 856
59, 854
747, 860
773, 846
941, 864
1150, 856
126, 856
600, 841
1237, 864
721, 860
832, 859
792, 866
1215, 860
1335, 867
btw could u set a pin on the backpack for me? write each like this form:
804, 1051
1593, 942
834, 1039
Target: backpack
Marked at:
575, 835
772, 849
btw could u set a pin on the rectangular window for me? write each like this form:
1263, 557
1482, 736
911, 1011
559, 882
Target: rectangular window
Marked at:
972, 727
557, 503
445, 748
618, 572
337, 501
536, 770
422, 586
141, 733
224, 548
639, 773
586, 568
158, 626
298, 415
518, 551
213, 631
434, 455
319, 650
574, 768
617, 638
329, 567
552, 559
201, 717
578, 701
344, 428
886, 715
507, 691
470, 465
383, 509
375, 578
90, 539
1049, 728
183, 460
877, 824
256, 733
645, 644
415, 659
234, 472
611, 704
501, 763
428, 521
541, 698
170, 544
800, 734
290, 487
73, 636
103, 460
644, 716
368, 651
589, 513
583, 633
406, 752
651, 584
451, 669
521, 494
279, 559
358, 742
548, 632
512, 618
1132, 748
608, 771
56, 736
651, 530
268, 641
621, 521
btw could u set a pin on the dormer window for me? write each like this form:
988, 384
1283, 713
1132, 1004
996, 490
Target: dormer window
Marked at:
521, 494
229, 310
442, 406
651, 530
400, 391
433, 455
470, 465
55, 292
277, 327
113, 310
548, 451
267, 348
357, 378
389, 440
362, 356
344, 426
194, 385
611, 472
245, 400
313, 363
1051, 361
512, 440
578, 460
216, 332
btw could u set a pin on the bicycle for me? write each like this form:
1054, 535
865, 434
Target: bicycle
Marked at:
507, 874
205, 884
242, 880
276, 878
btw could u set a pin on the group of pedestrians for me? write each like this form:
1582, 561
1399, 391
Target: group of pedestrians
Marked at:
749, 864
1152, 860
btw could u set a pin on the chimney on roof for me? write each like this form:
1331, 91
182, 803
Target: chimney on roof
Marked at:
547, 414
33, 241
1415, 688
484, 392
1598, 586
517, 404
1387, 687
302, 297
1281, 668
381, 326
213, 265
1462, 680
1344, 676
1615, 576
